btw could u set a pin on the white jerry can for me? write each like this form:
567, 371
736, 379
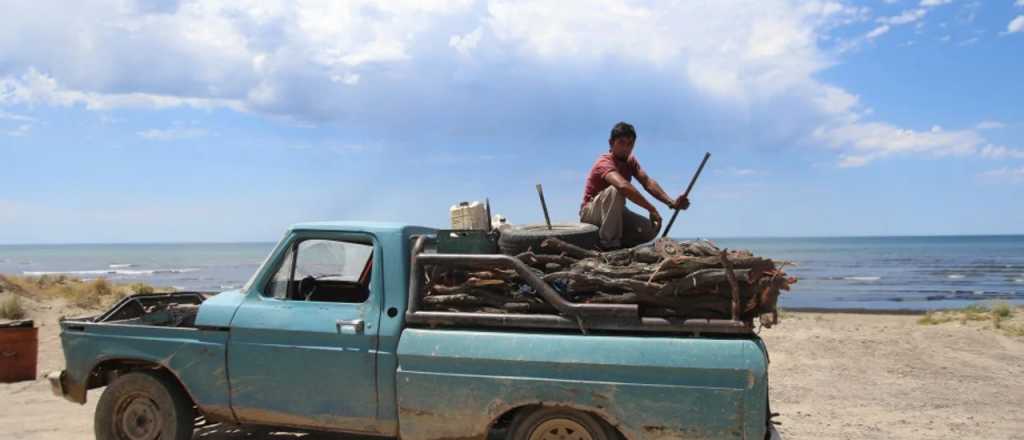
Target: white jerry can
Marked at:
469, 215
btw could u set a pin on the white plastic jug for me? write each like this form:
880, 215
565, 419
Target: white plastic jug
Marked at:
469, 215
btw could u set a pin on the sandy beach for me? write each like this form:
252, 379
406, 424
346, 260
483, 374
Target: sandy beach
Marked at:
834, 376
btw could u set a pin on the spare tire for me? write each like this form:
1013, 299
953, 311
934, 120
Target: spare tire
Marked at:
516, 239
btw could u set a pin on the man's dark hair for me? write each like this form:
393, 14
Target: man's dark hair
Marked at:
622, 129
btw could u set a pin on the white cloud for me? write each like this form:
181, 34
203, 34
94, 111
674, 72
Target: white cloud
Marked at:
968, 42
933, 3
1019, 3
1004, 175
702, 68
20, 131
739, 172
878, 31
908, 16
347, 78
172, 134
1001, 152
865, 142
15, 117
990, 125
1016, 25
353, 148
466, 43
33, 88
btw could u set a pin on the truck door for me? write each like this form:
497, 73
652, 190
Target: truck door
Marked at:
303, 344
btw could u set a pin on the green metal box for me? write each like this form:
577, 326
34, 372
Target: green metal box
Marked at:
466, 241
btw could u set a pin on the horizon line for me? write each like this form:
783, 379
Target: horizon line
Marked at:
738, 237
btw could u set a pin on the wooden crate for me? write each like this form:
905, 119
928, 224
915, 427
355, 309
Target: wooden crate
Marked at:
19, 350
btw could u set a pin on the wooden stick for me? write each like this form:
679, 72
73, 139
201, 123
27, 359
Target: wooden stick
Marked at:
687, 193
732, 283
540, 192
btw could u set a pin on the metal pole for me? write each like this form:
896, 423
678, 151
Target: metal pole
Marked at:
687, 193
540, 192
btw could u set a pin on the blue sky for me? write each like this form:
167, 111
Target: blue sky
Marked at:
126, 121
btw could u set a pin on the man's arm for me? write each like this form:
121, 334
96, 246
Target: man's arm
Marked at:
652, 187
655, 190
627, 189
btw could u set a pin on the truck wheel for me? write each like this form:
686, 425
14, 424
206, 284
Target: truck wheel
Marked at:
143, 406
518, 238
553, 423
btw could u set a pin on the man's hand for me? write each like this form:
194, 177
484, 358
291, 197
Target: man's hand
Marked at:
682, 202
655, 219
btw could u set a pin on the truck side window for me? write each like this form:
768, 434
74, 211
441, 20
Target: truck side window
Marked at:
325, 270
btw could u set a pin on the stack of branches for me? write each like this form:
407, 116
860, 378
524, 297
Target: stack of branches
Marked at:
672, 279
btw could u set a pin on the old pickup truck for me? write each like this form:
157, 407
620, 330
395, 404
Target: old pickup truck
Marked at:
328, 336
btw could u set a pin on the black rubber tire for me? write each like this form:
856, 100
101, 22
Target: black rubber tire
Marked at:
526, 422
154, 391
516, 239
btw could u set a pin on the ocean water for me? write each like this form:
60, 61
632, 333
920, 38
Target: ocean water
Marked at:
864, 272
185, 266
897, 272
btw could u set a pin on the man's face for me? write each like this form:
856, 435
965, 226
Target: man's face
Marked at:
622, 147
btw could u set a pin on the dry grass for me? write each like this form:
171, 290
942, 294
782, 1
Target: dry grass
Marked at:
1014, 330
85, 294
11, 308
998, 314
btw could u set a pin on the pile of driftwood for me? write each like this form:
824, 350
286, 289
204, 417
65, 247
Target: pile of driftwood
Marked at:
673, 279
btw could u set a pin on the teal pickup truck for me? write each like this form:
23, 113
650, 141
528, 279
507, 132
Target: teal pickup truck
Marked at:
328, 335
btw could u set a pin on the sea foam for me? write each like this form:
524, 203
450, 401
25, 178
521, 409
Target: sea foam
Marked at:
112, 271
862, 278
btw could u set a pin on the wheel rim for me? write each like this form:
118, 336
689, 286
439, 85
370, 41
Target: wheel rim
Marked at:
560, 429
138, 418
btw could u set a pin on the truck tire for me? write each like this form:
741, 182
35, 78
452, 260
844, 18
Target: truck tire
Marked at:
142, 406
554, 423
516, 239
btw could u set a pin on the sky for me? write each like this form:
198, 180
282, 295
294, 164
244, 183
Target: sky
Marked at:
153, 121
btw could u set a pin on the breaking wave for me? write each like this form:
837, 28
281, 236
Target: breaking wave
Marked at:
111, 271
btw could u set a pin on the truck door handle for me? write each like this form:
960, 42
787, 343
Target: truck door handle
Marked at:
356, 325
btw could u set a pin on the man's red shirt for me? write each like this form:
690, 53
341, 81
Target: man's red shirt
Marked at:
604, 164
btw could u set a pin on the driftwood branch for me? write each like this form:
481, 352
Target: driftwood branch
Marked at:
732, 283
541, 260
561, 247
701, 280
580, 281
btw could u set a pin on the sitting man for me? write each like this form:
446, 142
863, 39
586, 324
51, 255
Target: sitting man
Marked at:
608, 186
